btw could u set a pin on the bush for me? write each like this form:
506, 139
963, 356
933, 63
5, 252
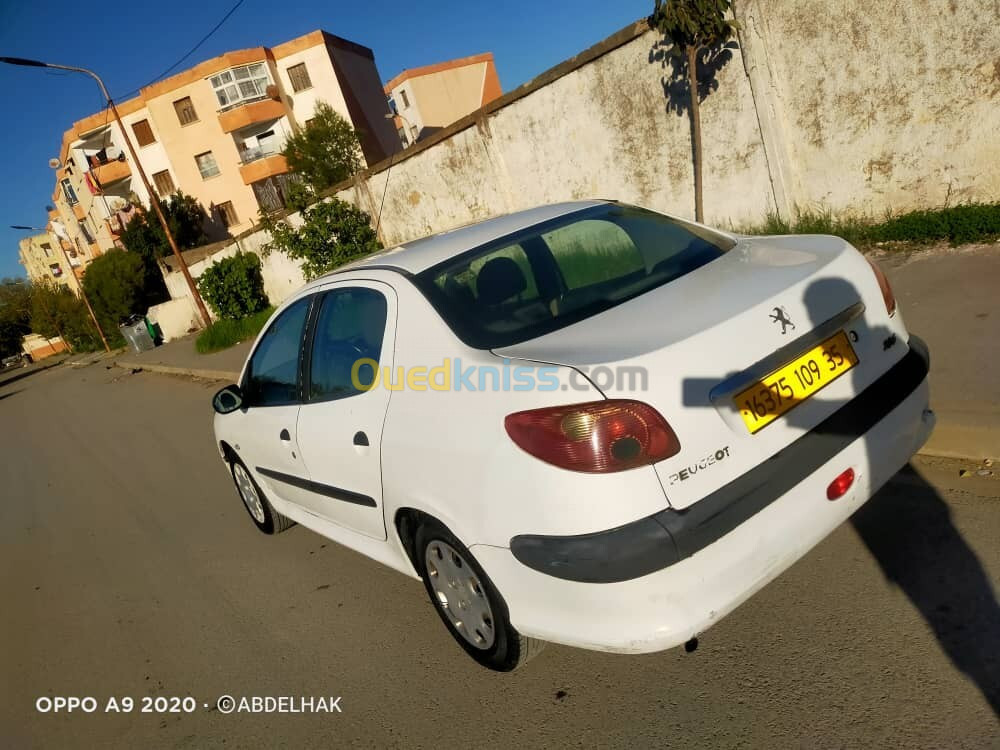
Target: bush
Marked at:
226, 333
234, 287
332, 233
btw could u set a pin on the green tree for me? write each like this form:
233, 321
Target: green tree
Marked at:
234, 287
15, 314
186, 218
56, 311
326, 151
118, 285
694, 27
332, 233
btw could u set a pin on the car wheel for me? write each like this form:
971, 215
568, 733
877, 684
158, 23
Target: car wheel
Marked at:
264, 516
468, 603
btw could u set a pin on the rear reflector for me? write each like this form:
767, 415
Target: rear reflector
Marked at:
597, 437
839, 486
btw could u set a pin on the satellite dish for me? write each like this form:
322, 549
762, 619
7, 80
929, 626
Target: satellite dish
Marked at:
54, 163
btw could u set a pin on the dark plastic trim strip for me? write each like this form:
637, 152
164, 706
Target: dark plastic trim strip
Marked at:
320, 489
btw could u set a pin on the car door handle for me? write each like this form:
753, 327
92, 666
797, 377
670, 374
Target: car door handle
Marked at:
360, 438
285, 436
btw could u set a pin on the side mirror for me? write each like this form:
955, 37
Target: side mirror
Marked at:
228, 400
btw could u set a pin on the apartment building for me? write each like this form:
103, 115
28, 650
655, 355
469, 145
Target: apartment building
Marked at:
430, 98
45, 262
215, 132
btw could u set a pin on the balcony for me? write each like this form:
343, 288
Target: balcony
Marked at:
249, 113
112, 171
258, 165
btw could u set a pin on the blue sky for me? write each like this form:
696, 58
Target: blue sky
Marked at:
128, 45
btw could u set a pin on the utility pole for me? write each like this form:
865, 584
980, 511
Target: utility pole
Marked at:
153, 198
79, 285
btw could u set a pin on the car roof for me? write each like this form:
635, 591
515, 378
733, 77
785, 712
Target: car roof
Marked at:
421, 254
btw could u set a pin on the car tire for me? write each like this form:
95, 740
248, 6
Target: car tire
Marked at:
467, 601
258, 507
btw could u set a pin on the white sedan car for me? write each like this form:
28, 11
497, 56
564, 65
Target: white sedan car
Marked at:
585, 423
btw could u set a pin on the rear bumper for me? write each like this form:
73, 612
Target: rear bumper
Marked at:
665, 538
712, 561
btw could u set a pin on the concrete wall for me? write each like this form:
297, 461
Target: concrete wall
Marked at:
884, 105
600, 129
175, 318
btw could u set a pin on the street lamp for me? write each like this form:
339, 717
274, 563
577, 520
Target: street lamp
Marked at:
83, 294
142, 173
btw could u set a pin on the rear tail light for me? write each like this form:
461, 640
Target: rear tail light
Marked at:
598, 437
883, 283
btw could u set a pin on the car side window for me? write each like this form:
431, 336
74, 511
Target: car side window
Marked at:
349, 328
273, 374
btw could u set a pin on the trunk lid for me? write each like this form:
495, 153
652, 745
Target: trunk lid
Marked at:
706, 336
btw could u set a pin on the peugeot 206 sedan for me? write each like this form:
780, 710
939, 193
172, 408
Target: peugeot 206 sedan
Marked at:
585, 423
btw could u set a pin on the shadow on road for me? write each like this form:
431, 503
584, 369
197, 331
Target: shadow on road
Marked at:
9, 394
911, 535
25, 372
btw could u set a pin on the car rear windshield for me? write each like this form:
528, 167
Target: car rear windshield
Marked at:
562, 271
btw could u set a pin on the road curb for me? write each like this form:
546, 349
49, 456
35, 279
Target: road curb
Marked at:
200, 374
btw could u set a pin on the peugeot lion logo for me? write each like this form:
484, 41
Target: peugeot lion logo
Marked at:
780, 316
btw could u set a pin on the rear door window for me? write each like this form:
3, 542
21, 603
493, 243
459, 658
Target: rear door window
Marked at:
348, 339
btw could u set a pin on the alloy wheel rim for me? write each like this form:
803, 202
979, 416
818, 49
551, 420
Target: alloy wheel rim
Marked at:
248, 493
460, 594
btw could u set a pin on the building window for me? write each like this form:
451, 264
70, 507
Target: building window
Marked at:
242, 84
185, 111
56, 270
413, 133
47, 249
402, 135
299, 77
405, 98
87, 235
163, 182
227, 214
143, 133
69, 192
207, 165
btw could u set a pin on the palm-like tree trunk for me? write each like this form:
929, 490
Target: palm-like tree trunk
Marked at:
692, 59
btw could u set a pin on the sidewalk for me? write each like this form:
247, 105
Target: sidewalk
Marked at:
949, 297
179, 357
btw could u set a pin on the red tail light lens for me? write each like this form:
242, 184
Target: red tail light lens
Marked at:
839, 486
598, 437
883, 283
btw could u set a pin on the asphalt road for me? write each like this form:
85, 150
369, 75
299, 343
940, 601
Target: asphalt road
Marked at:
129, 568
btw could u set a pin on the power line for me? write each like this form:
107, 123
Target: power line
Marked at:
187, 55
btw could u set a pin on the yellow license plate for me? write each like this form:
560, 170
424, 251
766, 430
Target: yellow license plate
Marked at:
793, 383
